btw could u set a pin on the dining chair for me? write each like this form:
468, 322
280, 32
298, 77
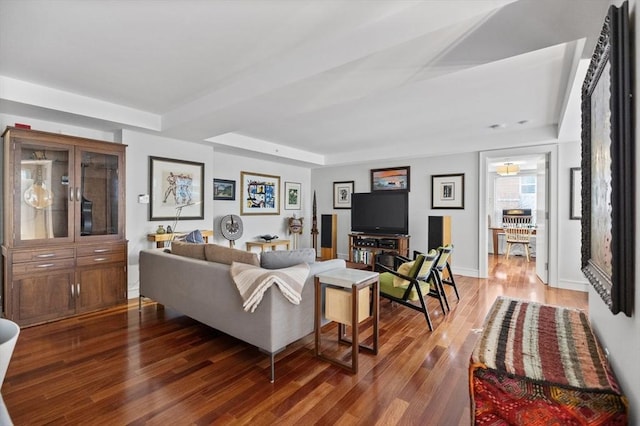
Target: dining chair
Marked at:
518, 231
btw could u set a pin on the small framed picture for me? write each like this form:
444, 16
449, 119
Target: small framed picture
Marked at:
342, 194
391, 179
224, 189
447, 191
292, 193
260, 194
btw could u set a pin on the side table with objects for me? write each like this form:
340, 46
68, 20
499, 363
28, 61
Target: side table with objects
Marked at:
347, 297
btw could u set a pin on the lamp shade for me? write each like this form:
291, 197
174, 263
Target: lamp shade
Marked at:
508, 169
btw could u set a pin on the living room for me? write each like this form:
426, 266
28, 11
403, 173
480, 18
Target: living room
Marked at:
227, 155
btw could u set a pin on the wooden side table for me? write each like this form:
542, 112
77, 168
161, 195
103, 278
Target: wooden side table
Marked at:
356, 280
160, 239
267, 244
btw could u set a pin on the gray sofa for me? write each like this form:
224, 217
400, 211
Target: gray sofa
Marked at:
205, 291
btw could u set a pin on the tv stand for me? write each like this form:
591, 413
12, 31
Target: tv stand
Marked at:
368, 249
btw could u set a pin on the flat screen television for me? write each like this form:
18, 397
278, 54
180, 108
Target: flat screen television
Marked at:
385, 212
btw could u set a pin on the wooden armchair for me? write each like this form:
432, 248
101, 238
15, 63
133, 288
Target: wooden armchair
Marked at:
517, 230
411, 282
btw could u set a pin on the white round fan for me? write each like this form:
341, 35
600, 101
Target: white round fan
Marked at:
231, 227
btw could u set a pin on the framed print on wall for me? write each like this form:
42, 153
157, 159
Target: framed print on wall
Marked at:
342, 194
175, 184
260, 194
292, 191
391, 179
575, 194
608, 201
447, 191
224, 189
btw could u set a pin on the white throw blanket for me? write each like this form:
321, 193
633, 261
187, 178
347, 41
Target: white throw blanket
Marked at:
253, 281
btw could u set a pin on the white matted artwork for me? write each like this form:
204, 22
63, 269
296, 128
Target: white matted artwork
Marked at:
175, 184
447, 191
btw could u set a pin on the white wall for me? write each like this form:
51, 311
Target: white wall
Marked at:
228, 166
140, 147
463, 222
217, 165
619, 333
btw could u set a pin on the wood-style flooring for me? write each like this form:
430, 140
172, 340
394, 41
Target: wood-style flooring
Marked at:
158, 367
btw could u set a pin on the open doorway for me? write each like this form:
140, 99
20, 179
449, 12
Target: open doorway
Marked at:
516, 190
526, 189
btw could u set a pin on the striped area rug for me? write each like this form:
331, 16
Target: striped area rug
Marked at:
543, 343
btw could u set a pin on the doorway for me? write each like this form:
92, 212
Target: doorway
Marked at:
535, 165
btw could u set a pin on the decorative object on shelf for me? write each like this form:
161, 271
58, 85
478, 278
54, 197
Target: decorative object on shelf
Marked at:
295, 228
447, 191
508, 169
224, 189
575, 201
292, 191
314, 223
260, 194
173, 184
161, 230
391, 179
231, 228
267, 237
342, 194
169, 229
38, 195
608, 200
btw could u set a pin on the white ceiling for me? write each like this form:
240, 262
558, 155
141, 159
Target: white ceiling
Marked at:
318, 82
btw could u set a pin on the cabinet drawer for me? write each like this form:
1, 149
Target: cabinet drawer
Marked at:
100, 258
100, 250
43, 255
42, 266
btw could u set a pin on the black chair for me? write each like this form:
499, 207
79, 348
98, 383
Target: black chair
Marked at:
444, 254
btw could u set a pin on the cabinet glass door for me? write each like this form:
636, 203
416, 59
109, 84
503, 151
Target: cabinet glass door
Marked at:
100, 193
42, 198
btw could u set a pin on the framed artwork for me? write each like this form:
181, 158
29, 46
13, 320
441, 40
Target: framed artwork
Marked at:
176, 188
224, 189
391, 179
342, 194
447, 191
575, 201
607, 166
260, 194
293, 194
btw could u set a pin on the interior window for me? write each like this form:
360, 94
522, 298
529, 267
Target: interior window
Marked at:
514, 192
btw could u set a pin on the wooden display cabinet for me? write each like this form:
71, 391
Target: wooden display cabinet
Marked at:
64, 249
366, 248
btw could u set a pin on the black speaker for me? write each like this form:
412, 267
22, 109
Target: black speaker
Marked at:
328, 236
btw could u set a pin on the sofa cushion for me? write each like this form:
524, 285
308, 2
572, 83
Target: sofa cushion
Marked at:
193, 250
228, 255
277, 259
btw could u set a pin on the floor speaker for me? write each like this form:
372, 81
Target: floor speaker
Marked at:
328, 236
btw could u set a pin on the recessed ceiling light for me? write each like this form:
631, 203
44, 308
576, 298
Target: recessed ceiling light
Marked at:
498, 126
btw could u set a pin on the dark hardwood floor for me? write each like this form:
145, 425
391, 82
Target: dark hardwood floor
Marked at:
159, 367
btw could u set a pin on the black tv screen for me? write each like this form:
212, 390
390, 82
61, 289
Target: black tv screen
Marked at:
380, 212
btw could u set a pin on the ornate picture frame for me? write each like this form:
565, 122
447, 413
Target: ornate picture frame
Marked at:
391, 179
608, 205
175, 184
292, 195
342, 194
447, 191
260, 194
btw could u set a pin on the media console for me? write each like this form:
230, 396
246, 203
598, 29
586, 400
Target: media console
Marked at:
371, 248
